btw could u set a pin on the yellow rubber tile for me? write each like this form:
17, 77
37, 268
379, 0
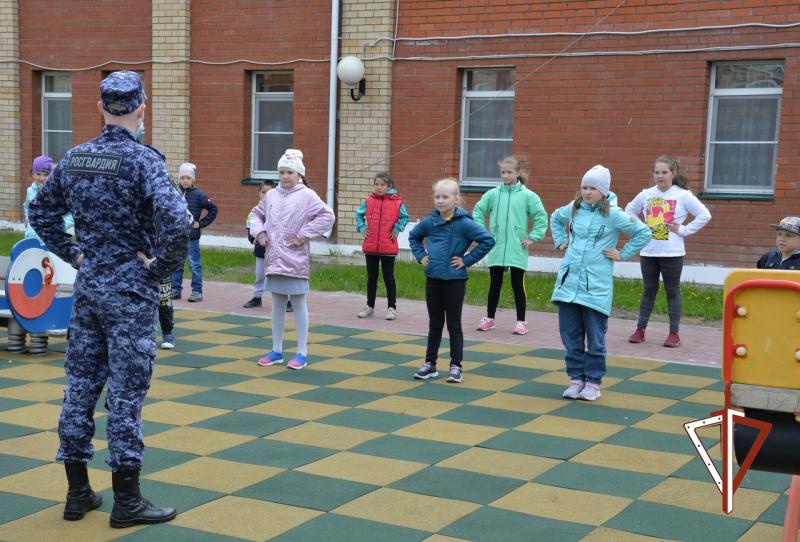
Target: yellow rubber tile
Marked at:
363, 468
441, 538
33, 372
672, 379
563, 504
759, 532
163, 389
604, 534
201, 325
486, 383
244, 367
160, 371
632, 459
265, 386
313, 338
375, 384
447, 431
349, 366
407, 349
230, 351
215, 474
532, 362
41, 392
407, 509
41, 446
498, 348
212, 337
673, 424
196, 441
633, 363
705, 497
330, 351
708, 397
49, 481
40, 415
632, 401
386, 336
500, 463
520, 403
287, 407
250, 519
558, 426
411, 406
179, 413
324, 436
48, 524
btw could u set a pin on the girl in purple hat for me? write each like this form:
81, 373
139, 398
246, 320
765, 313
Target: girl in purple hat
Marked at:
42, 166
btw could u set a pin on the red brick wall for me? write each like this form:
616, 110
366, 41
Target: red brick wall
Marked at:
571, 113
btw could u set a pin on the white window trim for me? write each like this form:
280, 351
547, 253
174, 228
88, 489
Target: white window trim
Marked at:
263, 97
466, 95
715, 93
51, 95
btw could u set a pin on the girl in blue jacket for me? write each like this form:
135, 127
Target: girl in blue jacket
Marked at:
449, 231
584, 285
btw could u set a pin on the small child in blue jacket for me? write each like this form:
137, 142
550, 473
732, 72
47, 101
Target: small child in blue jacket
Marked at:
787, 255
449, 231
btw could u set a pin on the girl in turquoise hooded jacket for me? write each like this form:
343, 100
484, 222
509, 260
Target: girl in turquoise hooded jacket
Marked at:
510, 207
588, 229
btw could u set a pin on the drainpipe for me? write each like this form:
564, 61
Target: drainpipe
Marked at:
332, 108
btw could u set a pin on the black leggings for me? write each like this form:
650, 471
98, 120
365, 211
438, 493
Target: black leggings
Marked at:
387, 262
670, 269
496, 273
445, 299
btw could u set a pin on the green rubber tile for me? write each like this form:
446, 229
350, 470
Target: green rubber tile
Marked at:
382, 357
156, 459
548, 353
311, 376
539, 389
452, 393
237, 319
173, 533
274, 453
776, 514
717, 386
247, 423
17, 506
596, 412
599, 480
536, 444
690, 370
336, 528
336, 330
409, 449
458, 484
764, 481
370, 420
11, 464
501, 370
361, 344
230, 400
398, 372
191, 360
8, 430
662, 521
306, 490
652, 390
11, 382
489, 524
690, 411
211, 379
482, 357
162, 494
333, 396
150, 428
9, 404
655, 440
494, 417
423, 341
252, 331
622, 372
263, 342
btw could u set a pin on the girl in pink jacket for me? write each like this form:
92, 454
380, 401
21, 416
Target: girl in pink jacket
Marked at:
284, 223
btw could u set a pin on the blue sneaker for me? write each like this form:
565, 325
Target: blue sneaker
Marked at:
455, 375
273, 358
426, 372
297, 362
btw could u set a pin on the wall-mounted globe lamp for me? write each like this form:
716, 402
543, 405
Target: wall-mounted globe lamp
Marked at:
350, 70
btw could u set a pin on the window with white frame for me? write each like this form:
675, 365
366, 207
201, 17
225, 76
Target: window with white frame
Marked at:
56, 114
273, 121
743, 118
487, 124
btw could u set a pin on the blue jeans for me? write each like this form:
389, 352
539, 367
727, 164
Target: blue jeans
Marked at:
583, 332
195, 266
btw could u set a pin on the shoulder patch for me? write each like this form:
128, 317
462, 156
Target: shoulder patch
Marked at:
89, 162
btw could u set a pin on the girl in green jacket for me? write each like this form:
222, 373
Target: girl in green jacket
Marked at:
510, 206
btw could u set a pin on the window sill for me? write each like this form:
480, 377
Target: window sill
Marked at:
254, 181
478, 189
732, 196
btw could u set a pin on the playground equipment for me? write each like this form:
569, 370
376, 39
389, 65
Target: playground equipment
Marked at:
37, 298
760, 422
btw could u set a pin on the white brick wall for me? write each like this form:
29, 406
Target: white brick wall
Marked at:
10, 174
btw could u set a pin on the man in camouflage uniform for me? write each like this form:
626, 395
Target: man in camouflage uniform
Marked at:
132, 229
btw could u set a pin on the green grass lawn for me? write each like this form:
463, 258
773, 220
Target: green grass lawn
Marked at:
701, 304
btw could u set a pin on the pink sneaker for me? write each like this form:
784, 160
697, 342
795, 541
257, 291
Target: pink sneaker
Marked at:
486, 324
521, 328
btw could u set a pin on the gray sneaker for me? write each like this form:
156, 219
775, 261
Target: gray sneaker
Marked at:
455, 374
426, 372
195, 297
590, 392
574, 390
366, 312
391, 313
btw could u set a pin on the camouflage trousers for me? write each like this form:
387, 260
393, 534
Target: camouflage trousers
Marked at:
111, 339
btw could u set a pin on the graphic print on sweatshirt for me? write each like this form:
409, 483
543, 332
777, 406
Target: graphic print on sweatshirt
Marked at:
660, 212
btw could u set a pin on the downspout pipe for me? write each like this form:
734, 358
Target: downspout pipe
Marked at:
332, 108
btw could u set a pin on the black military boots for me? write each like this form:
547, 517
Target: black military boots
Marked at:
130, 508
80, 497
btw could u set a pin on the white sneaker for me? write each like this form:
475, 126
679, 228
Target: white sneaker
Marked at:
590, 392
391, 313
167, 345
366, 312
574, 390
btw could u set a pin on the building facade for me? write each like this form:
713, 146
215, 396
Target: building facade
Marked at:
451, 87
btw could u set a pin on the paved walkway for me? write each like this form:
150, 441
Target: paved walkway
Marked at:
701, 345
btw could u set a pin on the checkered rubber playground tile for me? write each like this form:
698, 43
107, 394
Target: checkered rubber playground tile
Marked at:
353, 449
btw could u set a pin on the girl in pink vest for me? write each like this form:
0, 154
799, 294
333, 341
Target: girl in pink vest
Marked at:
381, 218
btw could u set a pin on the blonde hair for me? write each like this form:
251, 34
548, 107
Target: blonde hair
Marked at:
522, 175
453, 184
605, 205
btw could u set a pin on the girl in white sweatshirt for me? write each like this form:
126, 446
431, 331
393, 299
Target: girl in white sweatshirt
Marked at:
665, 208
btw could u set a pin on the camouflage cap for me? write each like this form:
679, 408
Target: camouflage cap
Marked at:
790, 224
122, 92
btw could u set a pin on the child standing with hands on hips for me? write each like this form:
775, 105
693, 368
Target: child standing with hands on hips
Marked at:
510, 206
381, 217
285, 222
449, 231
584, 285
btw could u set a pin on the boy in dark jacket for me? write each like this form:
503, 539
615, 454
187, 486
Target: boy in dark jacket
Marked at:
196, 202
788, 242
